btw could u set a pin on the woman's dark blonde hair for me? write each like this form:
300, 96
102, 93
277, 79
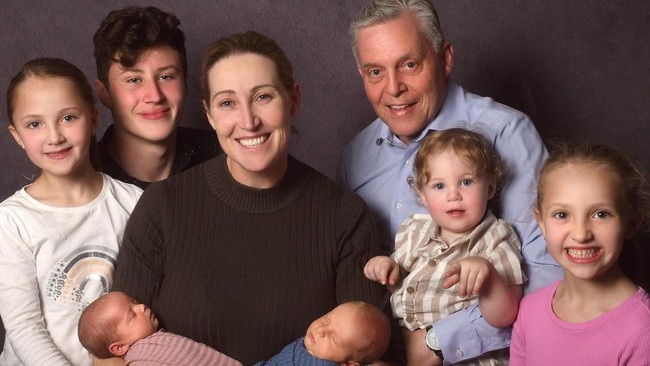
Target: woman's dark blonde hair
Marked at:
248, 42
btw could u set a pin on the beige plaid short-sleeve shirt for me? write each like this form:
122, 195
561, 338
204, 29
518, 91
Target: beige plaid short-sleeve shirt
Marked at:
420, 299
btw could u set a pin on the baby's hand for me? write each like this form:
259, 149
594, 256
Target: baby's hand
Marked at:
469, 273
382, 269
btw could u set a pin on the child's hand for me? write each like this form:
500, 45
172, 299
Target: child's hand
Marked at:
469, 273
382, 269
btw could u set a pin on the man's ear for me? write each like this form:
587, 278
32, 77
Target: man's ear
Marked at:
103, 94
118, 348
448, 57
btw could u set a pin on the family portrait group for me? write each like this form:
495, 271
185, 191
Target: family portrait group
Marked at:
181, 197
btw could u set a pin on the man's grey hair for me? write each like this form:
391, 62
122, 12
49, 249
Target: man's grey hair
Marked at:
381, 11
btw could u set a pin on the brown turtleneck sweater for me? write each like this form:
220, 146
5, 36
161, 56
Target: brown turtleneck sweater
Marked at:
246, 270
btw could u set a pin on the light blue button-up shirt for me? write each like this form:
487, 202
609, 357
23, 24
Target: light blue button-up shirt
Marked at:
377, 165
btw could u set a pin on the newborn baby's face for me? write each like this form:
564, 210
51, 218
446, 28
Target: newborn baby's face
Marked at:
134, 320
332, 337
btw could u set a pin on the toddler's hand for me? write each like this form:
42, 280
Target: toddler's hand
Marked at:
382, 269
469, 273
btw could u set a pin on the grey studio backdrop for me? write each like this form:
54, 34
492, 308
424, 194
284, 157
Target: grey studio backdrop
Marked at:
579, 68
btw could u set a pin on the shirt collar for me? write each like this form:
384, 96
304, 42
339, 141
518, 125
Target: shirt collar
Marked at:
473, 237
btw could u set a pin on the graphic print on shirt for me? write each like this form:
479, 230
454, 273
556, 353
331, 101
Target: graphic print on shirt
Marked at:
82, 276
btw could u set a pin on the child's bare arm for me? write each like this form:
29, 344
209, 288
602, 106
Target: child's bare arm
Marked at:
498, 301
384, 270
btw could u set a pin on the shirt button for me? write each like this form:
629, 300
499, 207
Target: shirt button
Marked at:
432, 263
410, 318
398, 206
410, 290
460, 354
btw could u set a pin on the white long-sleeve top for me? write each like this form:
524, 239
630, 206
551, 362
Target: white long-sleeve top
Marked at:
54, 261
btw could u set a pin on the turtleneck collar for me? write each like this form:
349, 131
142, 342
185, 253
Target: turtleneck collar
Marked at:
256, 200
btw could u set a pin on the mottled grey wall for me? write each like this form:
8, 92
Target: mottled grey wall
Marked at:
580, 68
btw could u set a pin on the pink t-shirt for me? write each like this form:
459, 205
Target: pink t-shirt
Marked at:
621, 336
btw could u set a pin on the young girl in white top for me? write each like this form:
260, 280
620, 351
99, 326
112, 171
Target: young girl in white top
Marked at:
591, 200
60, 235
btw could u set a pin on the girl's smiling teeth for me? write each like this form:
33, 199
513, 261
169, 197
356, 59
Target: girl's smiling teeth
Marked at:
59, 153
582, 253
253, 142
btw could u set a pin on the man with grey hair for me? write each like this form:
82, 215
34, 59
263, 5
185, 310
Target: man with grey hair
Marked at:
405, 64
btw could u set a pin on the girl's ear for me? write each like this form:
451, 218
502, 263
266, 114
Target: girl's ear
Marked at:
95, 121
540, 222
118, 348
633, 227
17, 138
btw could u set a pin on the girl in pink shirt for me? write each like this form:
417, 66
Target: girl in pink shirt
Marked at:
591, 199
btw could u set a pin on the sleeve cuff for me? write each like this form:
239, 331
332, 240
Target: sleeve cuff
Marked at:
465, 335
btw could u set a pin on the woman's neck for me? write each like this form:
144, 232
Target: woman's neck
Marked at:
267, 178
